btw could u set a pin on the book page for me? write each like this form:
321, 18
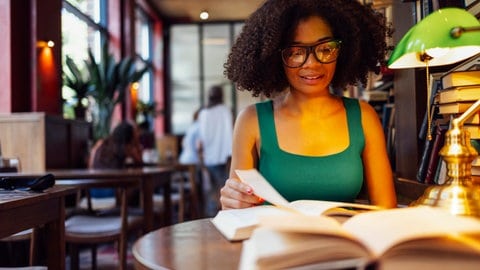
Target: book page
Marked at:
237, 224
261, 187
381, 230
304, 224
273, 249
329, 208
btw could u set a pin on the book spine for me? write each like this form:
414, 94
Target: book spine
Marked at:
438, 140
436, 86
441, 176
473, 130
461, 78
422, 168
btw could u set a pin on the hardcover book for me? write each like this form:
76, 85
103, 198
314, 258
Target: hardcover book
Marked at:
238, 224
461, 78
459, 94
474, 130
438, 141
454, 107
435, 239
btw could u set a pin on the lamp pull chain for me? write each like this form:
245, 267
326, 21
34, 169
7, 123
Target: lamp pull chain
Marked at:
429, 93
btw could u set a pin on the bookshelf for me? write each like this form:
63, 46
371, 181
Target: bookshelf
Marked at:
410, 105
408, 190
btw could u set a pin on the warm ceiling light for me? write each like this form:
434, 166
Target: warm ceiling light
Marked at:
43, 44
204, 15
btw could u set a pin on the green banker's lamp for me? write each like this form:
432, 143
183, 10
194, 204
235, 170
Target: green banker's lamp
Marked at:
444, 37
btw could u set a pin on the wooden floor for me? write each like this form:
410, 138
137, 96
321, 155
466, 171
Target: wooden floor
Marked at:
106, 258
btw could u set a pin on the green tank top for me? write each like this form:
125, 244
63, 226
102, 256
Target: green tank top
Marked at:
336, 177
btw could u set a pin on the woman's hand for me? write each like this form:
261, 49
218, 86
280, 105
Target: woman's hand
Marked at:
236, 194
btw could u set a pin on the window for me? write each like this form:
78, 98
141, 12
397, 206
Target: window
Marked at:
198, 53
185, 74
215, 48
143, 31
83, 27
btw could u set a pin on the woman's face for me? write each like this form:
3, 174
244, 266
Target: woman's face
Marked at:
312, 77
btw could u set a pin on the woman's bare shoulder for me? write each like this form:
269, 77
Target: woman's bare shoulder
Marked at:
248, 114
367, 109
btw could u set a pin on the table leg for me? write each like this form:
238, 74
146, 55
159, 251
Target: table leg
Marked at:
55, 238
167, 195
147, 194
149, 182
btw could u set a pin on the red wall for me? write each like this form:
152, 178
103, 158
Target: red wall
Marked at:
32, 77
5, 75
46, 87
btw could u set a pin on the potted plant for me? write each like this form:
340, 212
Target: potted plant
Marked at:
79, 82
146, 112
106, 82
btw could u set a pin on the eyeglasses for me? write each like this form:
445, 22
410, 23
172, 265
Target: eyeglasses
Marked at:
325, 52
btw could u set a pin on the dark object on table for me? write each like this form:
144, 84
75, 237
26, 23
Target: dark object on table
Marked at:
28, 183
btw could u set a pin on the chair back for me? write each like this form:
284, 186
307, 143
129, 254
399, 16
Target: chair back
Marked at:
167, 147
10, 164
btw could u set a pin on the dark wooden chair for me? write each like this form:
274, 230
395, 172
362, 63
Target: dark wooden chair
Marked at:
185, 193
92, 228
13, 165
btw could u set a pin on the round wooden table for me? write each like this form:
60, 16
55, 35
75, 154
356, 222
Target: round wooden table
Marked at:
189, 245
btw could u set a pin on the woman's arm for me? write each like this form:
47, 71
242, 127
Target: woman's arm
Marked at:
377, 169
93, 152
236, 194
134, 151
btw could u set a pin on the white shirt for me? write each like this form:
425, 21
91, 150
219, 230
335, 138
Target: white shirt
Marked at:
189, 154
216, 131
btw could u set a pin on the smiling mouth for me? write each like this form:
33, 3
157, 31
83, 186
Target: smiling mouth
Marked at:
312, 77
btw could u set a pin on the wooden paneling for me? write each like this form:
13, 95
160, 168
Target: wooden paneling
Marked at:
44, 142
67, 143
57, 149
23, 135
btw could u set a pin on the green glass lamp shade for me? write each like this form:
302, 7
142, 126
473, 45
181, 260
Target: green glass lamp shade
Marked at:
432, 38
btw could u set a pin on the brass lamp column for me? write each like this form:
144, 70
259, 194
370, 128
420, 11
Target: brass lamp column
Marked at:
460, 195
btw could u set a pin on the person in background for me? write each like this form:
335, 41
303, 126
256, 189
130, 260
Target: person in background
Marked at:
146, 136
147, 142
120, 149
306, 141
191, 143
215, 133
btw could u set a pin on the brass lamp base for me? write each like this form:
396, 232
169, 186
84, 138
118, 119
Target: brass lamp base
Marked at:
460, 195
457, 199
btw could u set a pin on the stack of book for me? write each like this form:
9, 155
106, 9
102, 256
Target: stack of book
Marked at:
460, 90
455, 92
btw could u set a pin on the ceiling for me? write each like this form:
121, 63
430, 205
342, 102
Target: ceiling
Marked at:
220, 10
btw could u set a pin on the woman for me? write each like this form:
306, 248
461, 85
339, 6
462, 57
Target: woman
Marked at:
120, 149
307, 142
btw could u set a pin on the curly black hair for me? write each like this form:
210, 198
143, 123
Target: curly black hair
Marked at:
111, 154
254, 62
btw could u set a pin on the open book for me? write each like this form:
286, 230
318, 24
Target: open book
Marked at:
404, 238
238, 224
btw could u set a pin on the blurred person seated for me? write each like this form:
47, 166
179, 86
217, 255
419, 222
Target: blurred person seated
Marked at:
147, 141
119, 150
